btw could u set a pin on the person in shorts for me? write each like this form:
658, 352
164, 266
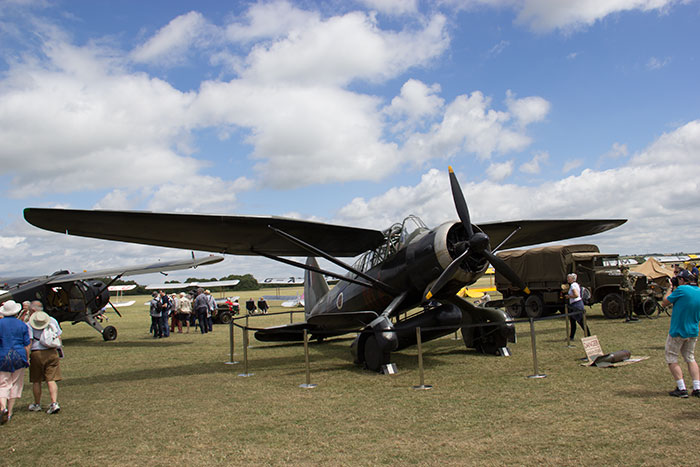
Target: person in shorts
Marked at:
43, 362
683, 332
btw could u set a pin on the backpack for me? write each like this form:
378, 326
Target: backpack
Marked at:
586, 295
49, 338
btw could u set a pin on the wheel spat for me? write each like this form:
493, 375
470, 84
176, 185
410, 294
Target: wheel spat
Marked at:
477, 244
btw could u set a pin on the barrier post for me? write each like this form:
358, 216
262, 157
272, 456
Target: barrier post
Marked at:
308, 384
291, 317
534, 351
231, 361
422, 384
245, 354
586, 333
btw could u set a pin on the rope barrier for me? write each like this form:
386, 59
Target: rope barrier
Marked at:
493, 324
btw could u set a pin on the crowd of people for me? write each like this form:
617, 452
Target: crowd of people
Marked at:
29, 338
186, 310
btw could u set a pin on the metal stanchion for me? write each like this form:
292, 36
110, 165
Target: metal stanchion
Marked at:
247, 343
422, 384
585, 323
245, 354
231, 361
455, 338
534, 351
308, 384
291, 317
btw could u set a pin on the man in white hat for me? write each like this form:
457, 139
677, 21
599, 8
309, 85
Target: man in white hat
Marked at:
44, 362
14, 351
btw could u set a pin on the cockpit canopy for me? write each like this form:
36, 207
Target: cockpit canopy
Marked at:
395, 237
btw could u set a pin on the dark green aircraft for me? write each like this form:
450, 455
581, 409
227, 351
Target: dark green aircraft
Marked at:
80, 297
404, 267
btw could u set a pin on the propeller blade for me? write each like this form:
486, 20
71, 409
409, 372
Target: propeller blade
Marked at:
501, 266
446, 275
460, 203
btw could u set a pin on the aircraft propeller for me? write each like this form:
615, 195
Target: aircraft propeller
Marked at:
477, 244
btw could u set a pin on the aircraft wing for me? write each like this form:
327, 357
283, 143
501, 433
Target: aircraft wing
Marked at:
533, 232
184, 285
121, 288
238, 235
159, 266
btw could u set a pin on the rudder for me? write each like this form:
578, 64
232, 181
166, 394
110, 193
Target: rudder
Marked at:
315, 286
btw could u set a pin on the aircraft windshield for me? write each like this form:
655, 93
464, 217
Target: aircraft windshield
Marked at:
395, 237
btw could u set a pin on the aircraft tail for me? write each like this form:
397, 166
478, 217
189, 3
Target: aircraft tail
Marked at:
315, 286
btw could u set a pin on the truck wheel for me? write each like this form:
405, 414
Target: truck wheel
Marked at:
515, 311
225, 317
613, 306
534, 306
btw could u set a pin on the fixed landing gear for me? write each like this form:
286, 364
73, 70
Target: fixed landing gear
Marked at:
109, 333
375, 357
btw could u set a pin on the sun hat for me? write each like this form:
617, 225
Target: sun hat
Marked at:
10, 308
39, 320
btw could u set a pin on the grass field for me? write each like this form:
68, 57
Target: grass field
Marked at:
140, 401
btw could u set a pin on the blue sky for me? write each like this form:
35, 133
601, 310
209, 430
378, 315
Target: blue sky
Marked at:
348, 112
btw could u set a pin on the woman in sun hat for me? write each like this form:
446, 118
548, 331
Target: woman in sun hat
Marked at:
44, 362
14, 353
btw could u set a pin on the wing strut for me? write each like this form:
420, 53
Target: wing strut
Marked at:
313, 269
315, 251
506, 239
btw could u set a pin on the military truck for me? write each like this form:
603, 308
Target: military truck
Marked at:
544, 271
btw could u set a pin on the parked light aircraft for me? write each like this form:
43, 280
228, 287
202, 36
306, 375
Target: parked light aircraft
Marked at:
78, 298
193, 285
403, 267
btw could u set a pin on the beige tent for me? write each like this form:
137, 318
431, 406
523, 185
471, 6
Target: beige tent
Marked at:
653, 269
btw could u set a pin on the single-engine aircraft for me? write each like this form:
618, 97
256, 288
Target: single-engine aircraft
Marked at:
78, 298
403, 267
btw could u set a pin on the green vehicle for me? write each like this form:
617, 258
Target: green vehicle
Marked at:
544, 271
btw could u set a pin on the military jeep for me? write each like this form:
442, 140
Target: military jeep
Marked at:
544, 271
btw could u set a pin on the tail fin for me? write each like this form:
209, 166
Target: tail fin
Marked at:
315, 286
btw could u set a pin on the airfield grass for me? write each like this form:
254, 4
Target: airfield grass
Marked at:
140, 401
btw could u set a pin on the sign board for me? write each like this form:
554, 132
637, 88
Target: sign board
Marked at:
592, 347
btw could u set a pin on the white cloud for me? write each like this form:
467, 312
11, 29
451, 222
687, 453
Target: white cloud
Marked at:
417, 102
172, 42
534, 165
470, 125
497, 171
200, 194
10, 242
528, 109
617, 151
392, 7
656, 63
566, 15
344, 48
498, 48
271, 20
640, 189
571, 165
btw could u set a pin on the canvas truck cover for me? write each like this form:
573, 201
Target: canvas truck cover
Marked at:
653, 269
542, 264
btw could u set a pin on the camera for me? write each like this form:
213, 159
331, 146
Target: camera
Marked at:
674, 281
